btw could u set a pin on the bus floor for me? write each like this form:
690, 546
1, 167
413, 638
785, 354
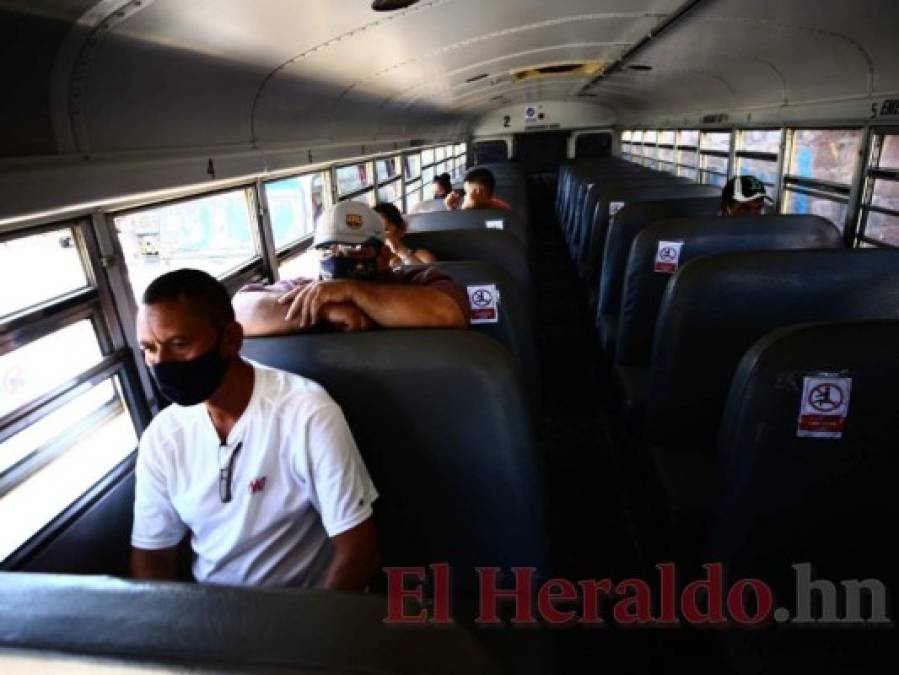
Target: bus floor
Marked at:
592, 528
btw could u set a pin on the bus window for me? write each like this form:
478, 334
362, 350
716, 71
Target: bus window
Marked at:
351, 179
412, 166
413, 194
650, 152
819, 172
757, 153
880, 206
714, 151
56, 250
666, 151
390, 192
687, 153
294, 204
216, 234
64, 424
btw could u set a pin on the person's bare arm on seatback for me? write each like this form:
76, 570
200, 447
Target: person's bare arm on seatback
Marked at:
260, 313
390, 305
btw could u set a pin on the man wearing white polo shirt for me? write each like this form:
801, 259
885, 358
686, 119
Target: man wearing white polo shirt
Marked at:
257, 465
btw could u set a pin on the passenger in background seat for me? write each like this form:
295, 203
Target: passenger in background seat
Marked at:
744, 196
479, 186
257, 465
443, 185
356, 289
395, 230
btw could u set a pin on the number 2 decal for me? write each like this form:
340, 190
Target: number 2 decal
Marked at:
507, 120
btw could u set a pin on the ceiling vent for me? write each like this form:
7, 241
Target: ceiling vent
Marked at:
579, 69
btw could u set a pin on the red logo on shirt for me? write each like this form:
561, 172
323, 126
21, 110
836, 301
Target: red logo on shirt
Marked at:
257, 485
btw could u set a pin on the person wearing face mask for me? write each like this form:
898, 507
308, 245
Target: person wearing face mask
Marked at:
267, 504
744, 196
356, 289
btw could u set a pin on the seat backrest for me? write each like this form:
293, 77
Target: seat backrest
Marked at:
238, 630
786, 472
499, 310
469, 219
716, 307
624, 228
492, 246
646, 276
788, 498
616, 196
429, 206
442, 421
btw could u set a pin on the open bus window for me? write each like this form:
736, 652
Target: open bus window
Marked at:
387, 169
64, 424
215, 234
412, 165
57, 252
801, 201
820, 168
389, 192
293, 205
880, 205
48, 465
757, 154
40, 366
825, 154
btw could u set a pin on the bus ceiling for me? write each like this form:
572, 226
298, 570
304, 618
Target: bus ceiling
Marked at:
109, 98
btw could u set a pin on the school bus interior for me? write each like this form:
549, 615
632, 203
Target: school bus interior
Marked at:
659, 381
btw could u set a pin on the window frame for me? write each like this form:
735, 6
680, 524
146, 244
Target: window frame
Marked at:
776, 159
702, 153
871, 173
96, 304
841, 193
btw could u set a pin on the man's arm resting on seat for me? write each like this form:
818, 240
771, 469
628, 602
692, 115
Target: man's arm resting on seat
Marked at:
390, 305
260, 313
158, 565
356, 558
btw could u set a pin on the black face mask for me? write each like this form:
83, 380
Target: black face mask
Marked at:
342, 267
191, 382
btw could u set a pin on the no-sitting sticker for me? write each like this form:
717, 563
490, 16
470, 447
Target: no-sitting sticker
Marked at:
825, 405
668, 256
484, 301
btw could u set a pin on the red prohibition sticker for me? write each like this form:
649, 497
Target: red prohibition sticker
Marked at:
668, 257
484, 301
825, 406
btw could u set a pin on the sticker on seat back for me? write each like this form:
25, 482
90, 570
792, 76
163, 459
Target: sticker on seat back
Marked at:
668, 257
494, 224
825, 406
484, 302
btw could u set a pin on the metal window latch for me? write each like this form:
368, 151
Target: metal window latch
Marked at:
109, 261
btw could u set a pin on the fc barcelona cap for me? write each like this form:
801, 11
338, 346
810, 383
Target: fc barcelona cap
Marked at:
349, 223
744, 189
